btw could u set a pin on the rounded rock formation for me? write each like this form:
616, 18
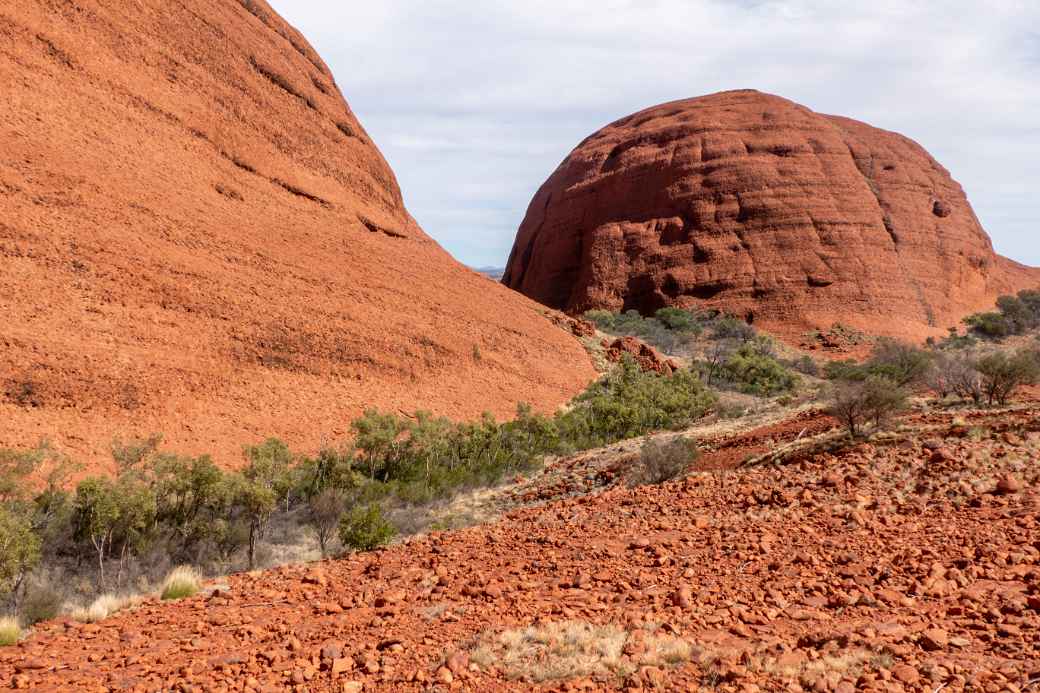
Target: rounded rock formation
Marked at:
753, 204
199, 239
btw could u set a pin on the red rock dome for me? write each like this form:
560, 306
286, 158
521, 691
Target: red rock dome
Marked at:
198, 238
751, 203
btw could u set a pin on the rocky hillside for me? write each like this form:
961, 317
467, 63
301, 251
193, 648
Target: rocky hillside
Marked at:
910, 563
198, 238
749, 202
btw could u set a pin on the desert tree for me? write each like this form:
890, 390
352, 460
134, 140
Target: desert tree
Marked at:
324, 512
902, 363
19, 549
873, 400
1002, 373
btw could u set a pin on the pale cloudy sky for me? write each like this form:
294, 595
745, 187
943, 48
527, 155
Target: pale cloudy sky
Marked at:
475, 102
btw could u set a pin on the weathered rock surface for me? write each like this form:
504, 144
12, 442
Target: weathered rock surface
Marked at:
198, 238
749, 202
643, 354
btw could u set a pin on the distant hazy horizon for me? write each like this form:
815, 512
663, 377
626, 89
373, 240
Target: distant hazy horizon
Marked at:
474, 105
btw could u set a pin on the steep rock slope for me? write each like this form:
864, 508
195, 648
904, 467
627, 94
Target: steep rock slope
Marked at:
749, 202
198, 238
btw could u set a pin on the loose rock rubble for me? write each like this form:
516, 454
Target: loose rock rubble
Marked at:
879, 567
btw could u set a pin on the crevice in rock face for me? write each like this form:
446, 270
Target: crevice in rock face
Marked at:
239, 163
282, 83
319, 85
288, 187
890, 227
55, 53
257, 11
348, 130
708, 290
376, 228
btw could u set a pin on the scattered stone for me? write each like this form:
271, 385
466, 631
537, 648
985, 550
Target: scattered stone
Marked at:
934, 639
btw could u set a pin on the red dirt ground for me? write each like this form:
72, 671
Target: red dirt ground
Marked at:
912, 563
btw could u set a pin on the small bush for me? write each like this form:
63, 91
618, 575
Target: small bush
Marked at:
756, 372
845, 371
903, 364
629, 403
806, 366
856, 403
10, 631
669, 329
363, 528
183, 581
324, 512
603, 319
41, 603
730, 327
962, 376
989, 325
1003, 373
663, 460
677, 319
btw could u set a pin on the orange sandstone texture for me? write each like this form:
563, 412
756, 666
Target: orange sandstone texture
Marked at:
197, 237
751, 203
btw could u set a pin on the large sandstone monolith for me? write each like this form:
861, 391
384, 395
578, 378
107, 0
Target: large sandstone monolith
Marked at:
198, 238
751, 203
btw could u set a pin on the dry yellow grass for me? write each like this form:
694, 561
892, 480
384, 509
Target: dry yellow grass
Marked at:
573, 649
183, 581
104, 606
10, 631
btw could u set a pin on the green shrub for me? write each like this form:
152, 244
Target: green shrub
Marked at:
903, 364
731, 327
363, 528
603, 319
669, 329
19, 548
755, 372
678, 320
630, 403
193, 498
806, 366
847, 370
989, 325
1004, 373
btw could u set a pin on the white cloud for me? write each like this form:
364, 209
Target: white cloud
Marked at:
474, 104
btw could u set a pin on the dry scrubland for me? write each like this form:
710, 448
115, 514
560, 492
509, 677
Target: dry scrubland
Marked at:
761, 542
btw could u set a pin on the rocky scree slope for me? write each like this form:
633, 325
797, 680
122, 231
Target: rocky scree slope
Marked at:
754, 204
910, 563
198, 238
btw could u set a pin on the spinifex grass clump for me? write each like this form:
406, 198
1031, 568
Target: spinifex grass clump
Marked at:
10, 631
182, 582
